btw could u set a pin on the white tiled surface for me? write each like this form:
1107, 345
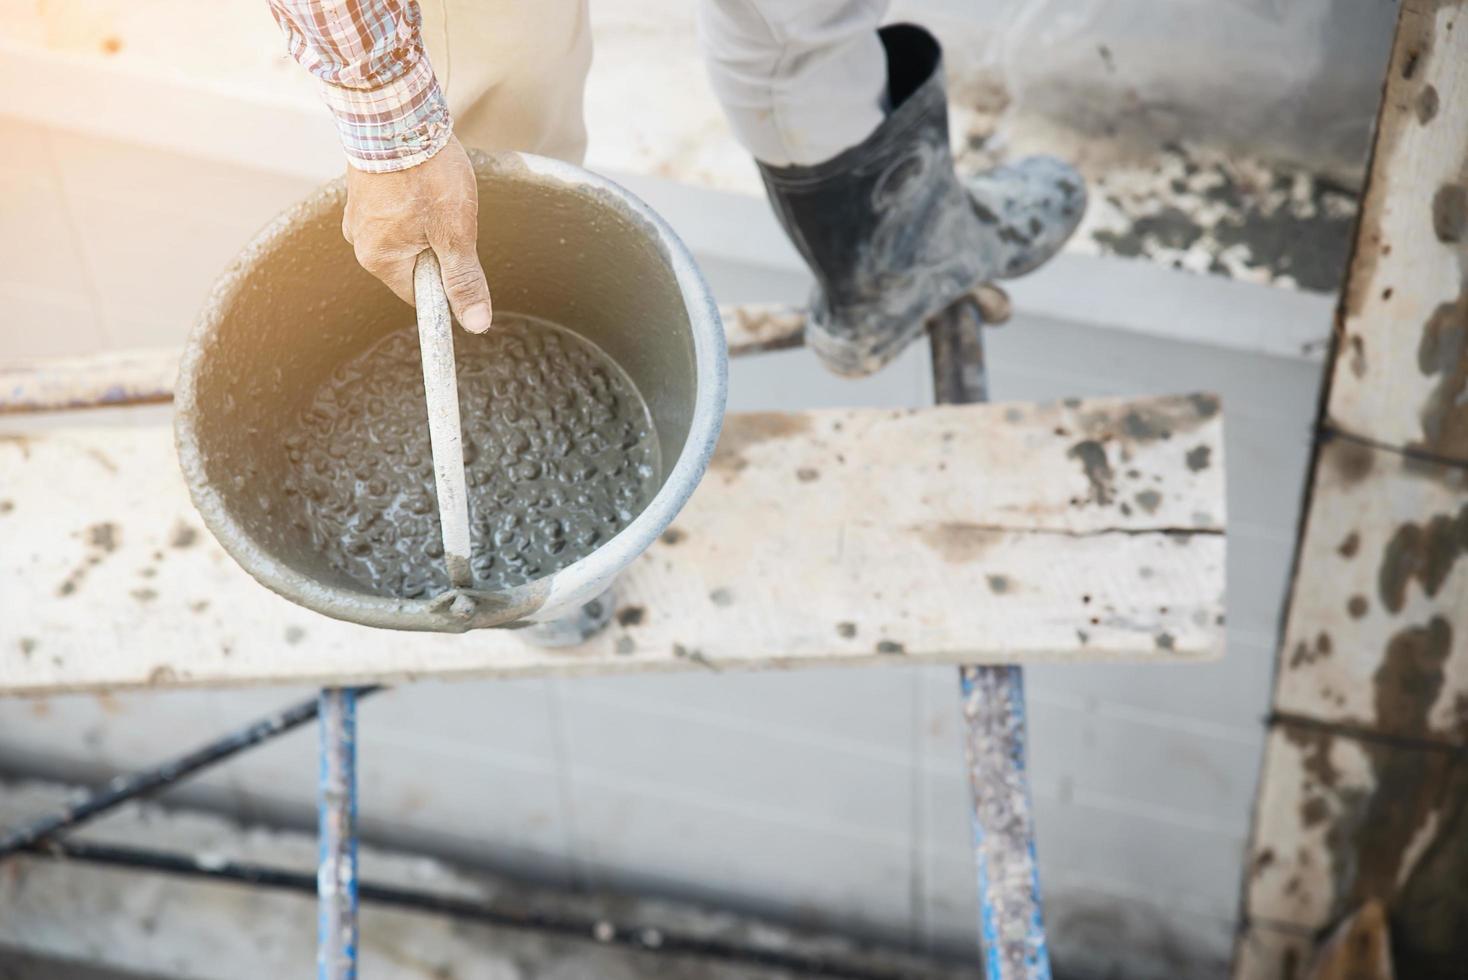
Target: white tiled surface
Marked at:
48, 298
107, 245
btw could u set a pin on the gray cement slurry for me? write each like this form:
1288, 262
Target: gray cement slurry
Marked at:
559, 453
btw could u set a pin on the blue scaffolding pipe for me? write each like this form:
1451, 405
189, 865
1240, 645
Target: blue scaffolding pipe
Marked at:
336, 874
1011, 920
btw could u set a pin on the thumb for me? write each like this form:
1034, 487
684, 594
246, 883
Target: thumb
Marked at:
467, 289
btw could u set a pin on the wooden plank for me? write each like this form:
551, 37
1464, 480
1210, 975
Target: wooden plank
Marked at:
1294, 878
1364, 792
759, 327
1358, 949
1353, 819
95, 381
1265, 953
1076, 531
147, 376
1400, 378
1375, 637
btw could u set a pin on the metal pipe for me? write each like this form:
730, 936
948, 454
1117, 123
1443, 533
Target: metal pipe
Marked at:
128, 787
1011, 922
147, 377
528, 916
336, 873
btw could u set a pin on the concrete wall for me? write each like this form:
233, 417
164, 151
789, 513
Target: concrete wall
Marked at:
1294, 79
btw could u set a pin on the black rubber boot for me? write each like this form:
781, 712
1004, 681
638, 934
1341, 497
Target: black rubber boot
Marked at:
891, 233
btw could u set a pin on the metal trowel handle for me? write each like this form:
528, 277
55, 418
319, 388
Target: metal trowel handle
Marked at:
436, 342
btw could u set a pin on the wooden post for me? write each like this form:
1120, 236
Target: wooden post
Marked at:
1364, 791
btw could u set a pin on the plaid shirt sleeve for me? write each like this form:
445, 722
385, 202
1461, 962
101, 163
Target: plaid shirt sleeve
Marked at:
374, 74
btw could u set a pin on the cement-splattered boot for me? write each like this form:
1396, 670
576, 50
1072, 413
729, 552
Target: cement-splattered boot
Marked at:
891, 233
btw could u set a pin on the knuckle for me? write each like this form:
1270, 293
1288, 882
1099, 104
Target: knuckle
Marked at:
373, 258
462, 275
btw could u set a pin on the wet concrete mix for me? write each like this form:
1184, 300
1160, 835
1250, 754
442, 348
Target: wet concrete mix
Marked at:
559, 452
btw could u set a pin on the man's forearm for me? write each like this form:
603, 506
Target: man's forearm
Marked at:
403, 194
375, 77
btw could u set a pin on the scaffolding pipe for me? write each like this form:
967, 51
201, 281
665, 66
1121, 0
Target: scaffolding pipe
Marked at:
1011, 922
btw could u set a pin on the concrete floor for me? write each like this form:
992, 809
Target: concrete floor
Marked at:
75, 920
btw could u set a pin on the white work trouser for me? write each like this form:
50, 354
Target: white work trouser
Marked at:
800, 80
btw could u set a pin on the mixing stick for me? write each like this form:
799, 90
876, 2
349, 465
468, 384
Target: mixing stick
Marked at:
441, 388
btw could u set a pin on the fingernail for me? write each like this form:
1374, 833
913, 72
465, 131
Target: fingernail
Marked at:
476, 318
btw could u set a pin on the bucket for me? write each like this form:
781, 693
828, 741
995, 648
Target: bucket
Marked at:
559, 244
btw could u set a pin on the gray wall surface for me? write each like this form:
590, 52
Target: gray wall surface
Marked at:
1297, 80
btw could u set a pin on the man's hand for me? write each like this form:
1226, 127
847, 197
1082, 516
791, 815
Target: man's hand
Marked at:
391, 217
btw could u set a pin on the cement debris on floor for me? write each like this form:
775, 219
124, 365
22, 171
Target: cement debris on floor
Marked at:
80, 919
1201, 210
1185, 205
